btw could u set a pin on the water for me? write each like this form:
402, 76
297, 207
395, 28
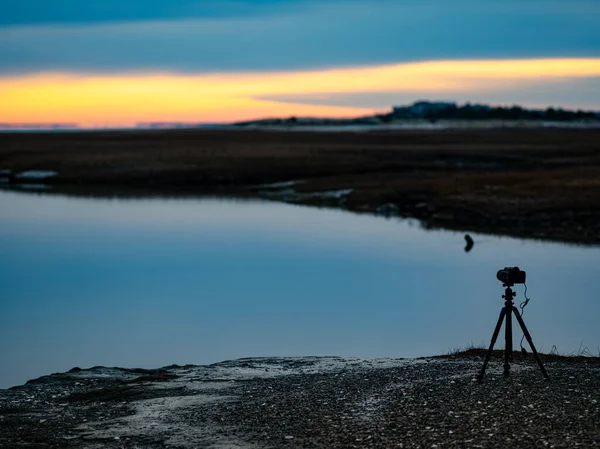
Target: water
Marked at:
148, 283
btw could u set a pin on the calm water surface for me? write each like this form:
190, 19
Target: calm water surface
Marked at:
148, 283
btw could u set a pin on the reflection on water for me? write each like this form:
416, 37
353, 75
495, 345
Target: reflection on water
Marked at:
149, 283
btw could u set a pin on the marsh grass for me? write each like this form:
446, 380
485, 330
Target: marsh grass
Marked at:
540, 183
583, 354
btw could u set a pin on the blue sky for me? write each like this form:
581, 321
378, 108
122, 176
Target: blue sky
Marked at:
272, 35
113, 39
75, 11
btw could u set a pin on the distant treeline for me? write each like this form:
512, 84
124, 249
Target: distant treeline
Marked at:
441, 110
433, 111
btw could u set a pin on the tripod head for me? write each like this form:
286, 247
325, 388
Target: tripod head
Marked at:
508, 292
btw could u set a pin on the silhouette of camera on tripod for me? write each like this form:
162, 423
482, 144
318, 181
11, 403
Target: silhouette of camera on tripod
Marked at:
509, 276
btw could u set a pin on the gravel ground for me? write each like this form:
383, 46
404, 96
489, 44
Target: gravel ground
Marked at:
311, 402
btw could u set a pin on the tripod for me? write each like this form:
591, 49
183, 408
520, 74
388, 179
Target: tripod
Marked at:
507, 312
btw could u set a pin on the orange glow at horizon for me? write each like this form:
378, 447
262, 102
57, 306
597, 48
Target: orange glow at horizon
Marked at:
126, 99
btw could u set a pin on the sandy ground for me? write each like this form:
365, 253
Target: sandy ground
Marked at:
311, 402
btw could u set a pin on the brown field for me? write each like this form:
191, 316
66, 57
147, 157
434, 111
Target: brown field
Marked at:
535, 182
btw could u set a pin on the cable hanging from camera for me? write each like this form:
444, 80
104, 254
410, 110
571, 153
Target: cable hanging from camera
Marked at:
522, 307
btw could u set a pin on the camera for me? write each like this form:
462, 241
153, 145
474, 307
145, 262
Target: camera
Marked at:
511, 275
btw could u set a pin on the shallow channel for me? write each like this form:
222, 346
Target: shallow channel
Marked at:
154, 282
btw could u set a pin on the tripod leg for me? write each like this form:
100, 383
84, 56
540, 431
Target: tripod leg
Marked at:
507, 341
510, 339
530, 341
491, 348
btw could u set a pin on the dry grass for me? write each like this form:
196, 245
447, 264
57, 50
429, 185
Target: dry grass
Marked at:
541, 183
583, 354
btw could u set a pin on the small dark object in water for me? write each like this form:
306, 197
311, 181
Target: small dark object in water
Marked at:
470, 243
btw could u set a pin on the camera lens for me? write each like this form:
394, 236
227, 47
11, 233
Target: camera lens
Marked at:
503, 275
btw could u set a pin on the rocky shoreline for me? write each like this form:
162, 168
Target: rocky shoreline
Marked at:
311, 402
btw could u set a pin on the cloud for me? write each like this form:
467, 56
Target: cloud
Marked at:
572, 93
298, 35
124, 99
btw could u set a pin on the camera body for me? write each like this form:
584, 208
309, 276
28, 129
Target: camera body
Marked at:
511, 275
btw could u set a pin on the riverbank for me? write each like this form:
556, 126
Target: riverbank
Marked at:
311, 402
524, 182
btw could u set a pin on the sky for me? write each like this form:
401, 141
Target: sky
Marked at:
118, 63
